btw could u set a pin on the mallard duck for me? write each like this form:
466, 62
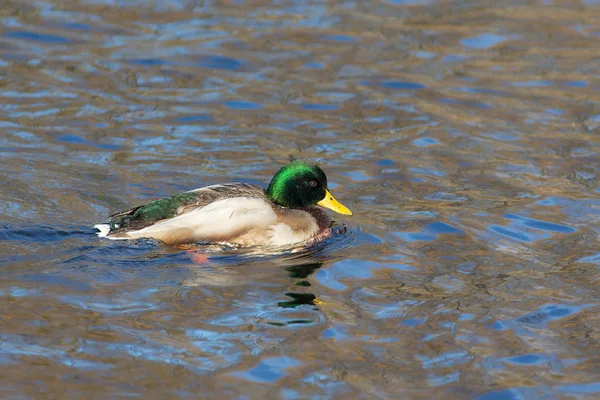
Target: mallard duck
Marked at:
237, 213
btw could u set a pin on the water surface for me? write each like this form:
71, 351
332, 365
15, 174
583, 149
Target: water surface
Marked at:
462, 134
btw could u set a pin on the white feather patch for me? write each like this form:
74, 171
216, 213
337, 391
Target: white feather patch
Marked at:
205, 188
103, 228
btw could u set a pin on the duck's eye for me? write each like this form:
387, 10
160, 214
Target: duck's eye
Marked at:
313, 183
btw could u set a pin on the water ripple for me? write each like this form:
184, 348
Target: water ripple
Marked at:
463, 138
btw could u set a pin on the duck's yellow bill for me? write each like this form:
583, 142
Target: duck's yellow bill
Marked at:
330, 202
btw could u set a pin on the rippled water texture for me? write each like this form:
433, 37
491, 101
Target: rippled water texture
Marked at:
464, 135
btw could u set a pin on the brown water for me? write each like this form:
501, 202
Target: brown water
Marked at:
464, 135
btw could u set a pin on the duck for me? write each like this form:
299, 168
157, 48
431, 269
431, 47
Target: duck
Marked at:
289, 211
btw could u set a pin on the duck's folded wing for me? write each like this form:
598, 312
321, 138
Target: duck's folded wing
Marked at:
219, 221
143, 216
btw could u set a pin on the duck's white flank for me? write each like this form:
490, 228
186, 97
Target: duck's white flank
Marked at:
222, 218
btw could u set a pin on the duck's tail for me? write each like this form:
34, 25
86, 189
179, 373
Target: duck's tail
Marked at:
103, 228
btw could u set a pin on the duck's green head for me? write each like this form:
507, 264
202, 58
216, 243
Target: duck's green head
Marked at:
301, 184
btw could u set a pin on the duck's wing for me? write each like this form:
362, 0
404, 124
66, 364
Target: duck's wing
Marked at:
140, 217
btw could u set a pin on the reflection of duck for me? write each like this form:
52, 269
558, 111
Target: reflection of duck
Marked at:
302, 272
236, 213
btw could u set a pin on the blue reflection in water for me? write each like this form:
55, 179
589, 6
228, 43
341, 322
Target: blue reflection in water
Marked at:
336, 332
76, 25
483, 91
472, 103
149, 62
401, 85
195, 118
314, 65
219, 62
594, 258
353, 269
430, 232
74, 139
268, 370
242, 105
541, 225
453, 58
483, 41
532, 84
540, 317
339, 38
57, 280
385, 163
37, 37
513, 234
576, 84
548, 313
443, 228
412, 322
358, 176
424, 54
526, 359
425, 142
526, 229
319, 107
42, 233
509, 394
427, 171
582, 388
